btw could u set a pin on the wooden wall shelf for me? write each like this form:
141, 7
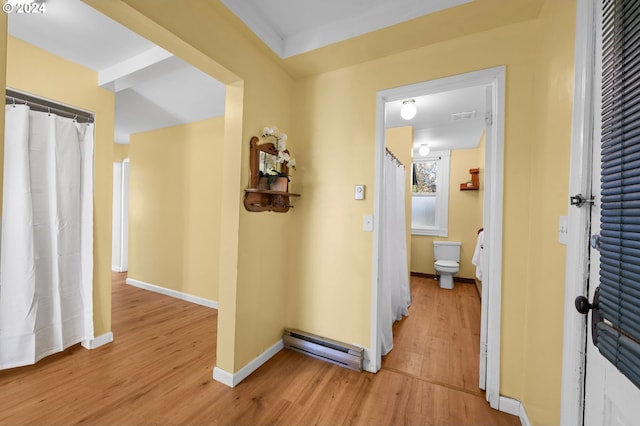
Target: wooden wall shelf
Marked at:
258, 198
264, 200
475, 181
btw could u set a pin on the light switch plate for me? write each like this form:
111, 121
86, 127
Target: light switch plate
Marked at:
359, 192
367, 223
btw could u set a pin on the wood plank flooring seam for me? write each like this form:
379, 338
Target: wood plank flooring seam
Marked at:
433, 382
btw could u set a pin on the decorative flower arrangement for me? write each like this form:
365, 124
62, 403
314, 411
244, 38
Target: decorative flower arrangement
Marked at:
280, 142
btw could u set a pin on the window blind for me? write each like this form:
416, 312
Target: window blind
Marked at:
618, 335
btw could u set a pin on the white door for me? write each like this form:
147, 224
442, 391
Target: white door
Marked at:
120, 225
124, 238
484, 300
116, 227
610, 397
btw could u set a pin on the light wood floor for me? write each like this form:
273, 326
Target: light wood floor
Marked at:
158, 371
440, 339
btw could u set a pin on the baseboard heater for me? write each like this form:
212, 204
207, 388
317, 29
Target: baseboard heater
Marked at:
342, 354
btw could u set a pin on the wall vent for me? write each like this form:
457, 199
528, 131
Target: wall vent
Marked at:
342, 354
467, 115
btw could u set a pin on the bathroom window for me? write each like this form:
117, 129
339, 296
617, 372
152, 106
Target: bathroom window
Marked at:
430, 195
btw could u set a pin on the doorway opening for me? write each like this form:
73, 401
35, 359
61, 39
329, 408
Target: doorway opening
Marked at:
228, 142
494, 80
120, 227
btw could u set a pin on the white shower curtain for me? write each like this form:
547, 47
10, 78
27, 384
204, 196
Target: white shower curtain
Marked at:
396, 296
46, 261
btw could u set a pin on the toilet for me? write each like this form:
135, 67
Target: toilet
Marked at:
446, 255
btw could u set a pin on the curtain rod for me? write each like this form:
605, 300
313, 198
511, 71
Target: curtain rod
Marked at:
43, 105
388, 151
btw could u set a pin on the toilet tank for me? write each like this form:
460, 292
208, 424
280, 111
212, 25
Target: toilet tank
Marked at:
446, 250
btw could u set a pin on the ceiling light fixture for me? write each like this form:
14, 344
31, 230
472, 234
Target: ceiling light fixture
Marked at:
424, 150
408, 110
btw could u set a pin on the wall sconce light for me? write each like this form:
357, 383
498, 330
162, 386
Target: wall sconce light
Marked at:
424, 150
408, 110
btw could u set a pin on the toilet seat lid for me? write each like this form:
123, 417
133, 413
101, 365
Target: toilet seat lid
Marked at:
447, 263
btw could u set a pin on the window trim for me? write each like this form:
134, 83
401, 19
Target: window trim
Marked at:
441, 228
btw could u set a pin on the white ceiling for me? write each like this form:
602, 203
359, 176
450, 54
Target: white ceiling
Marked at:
290, 28
155, 89
447, 120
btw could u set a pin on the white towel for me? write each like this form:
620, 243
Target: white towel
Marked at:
477, 255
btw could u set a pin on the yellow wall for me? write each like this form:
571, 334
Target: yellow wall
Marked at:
547, 199
253, 270
174, 209
399, 140
331, 259
311, 268
120, 152
71, 84
465, 215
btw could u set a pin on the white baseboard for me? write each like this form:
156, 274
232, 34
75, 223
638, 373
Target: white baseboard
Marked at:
173, 293
232, 379
118, 269
367, 364
96, 342
514, 407
524, 420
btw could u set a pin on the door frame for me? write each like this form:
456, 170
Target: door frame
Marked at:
124, 216
493, 207
116, 226
119, 243
577, 256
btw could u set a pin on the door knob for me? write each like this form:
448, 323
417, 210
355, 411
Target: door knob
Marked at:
582, 305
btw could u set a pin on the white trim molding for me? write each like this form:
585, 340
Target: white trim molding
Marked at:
367, 363
515, 408
577, 260
96, 342
232, 379
287, 42
173, 293
494, 78
493, 208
